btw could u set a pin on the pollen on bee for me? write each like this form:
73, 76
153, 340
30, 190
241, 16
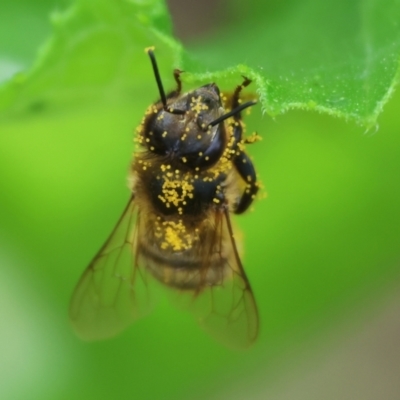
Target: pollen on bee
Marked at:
200, 153
215, 200
165, 133
138, 139
199, 137
184, 159
176, 236
244, 160
206, 158
253, 138
165, 167
248, 178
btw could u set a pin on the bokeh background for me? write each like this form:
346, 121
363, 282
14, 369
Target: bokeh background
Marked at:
322, 250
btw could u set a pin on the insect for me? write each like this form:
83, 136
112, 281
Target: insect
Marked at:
189, 173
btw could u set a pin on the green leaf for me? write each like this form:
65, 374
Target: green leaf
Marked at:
336, 57
94, 46
339, 57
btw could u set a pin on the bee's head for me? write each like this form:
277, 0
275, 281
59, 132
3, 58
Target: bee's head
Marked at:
188, 135
188, 128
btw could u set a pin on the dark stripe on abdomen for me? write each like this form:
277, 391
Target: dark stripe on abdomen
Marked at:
183, 270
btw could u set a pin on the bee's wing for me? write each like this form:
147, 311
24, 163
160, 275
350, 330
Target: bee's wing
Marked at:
112, 291
226, 309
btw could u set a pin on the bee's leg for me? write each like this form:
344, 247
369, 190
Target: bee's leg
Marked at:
236, 95
245, 168
176, 92
237, 125
177, 77
241, 161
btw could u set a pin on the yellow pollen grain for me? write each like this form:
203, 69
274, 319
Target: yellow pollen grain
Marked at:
175, 236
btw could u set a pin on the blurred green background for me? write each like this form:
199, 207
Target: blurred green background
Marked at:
322, 251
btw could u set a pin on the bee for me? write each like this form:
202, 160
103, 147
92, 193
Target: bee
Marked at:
189, 174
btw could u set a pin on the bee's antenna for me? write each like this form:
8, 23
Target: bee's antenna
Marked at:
150, 52
236, 110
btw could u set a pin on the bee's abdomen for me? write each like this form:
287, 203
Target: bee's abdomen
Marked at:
183, 270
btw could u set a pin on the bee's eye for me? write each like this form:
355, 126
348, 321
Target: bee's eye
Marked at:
207, 101
201, 122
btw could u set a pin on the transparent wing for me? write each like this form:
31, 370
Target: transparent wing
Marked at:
223, 302
113, 290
